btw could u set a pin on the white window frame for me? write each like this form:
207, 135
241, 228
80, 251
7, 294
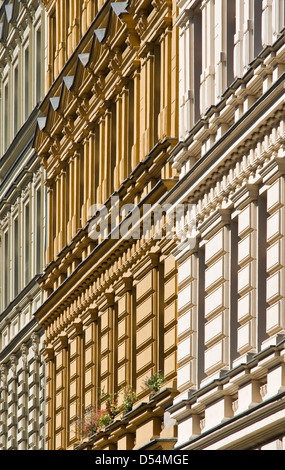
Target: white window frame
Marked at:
26, 89
14, 218
5, 106
16, 95
26, 263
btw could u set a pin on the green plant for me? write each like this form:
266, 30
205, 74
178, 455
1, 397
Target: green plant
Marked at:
90, 423
112, 407
95, 420
155, 382
128, 399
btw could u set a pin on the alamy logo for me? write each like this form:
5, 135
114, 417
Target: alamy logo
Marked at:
130, 221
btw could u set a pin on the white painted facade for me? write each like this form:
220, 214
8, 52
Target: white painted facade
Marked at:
22, 225
230, 158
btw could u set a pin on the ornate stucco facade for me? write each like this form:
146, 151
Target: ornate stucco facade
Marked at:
109, 121
230, 160
142, 200
22, 226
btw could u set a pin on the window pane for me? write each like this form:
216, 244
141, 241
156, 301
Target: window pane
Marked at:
16, 257
38, 67
38, 235
27, 243
27, 55
6, 122
6, 270
16, 86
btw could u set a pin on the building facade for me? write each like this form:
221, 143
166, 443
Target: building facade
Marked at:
109, 121
230, 160
142, 200
22, 226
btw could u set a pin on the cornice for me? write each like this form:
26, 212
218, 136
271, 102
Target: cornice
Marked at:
100, 69
220, 154
75, 285
249, 84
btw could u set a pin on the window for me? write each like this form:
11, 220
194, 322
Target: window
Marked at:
190, 44
257, 27
113, 147
131, 125
16, 98
26, 83
197, 24
38, 65
38, 230
231, 27
27, 243
52, 44
6, 121
67, 22
6, 269
16, 257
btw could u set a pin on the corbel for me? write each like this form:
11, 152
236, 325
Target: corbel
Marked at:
99, 85
115, 62
141, 22
83, 107
75, 329
61, 342
48, 353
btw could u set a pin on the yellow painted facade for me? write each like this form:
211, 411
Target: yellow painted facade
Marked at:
161, 104
110, 120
